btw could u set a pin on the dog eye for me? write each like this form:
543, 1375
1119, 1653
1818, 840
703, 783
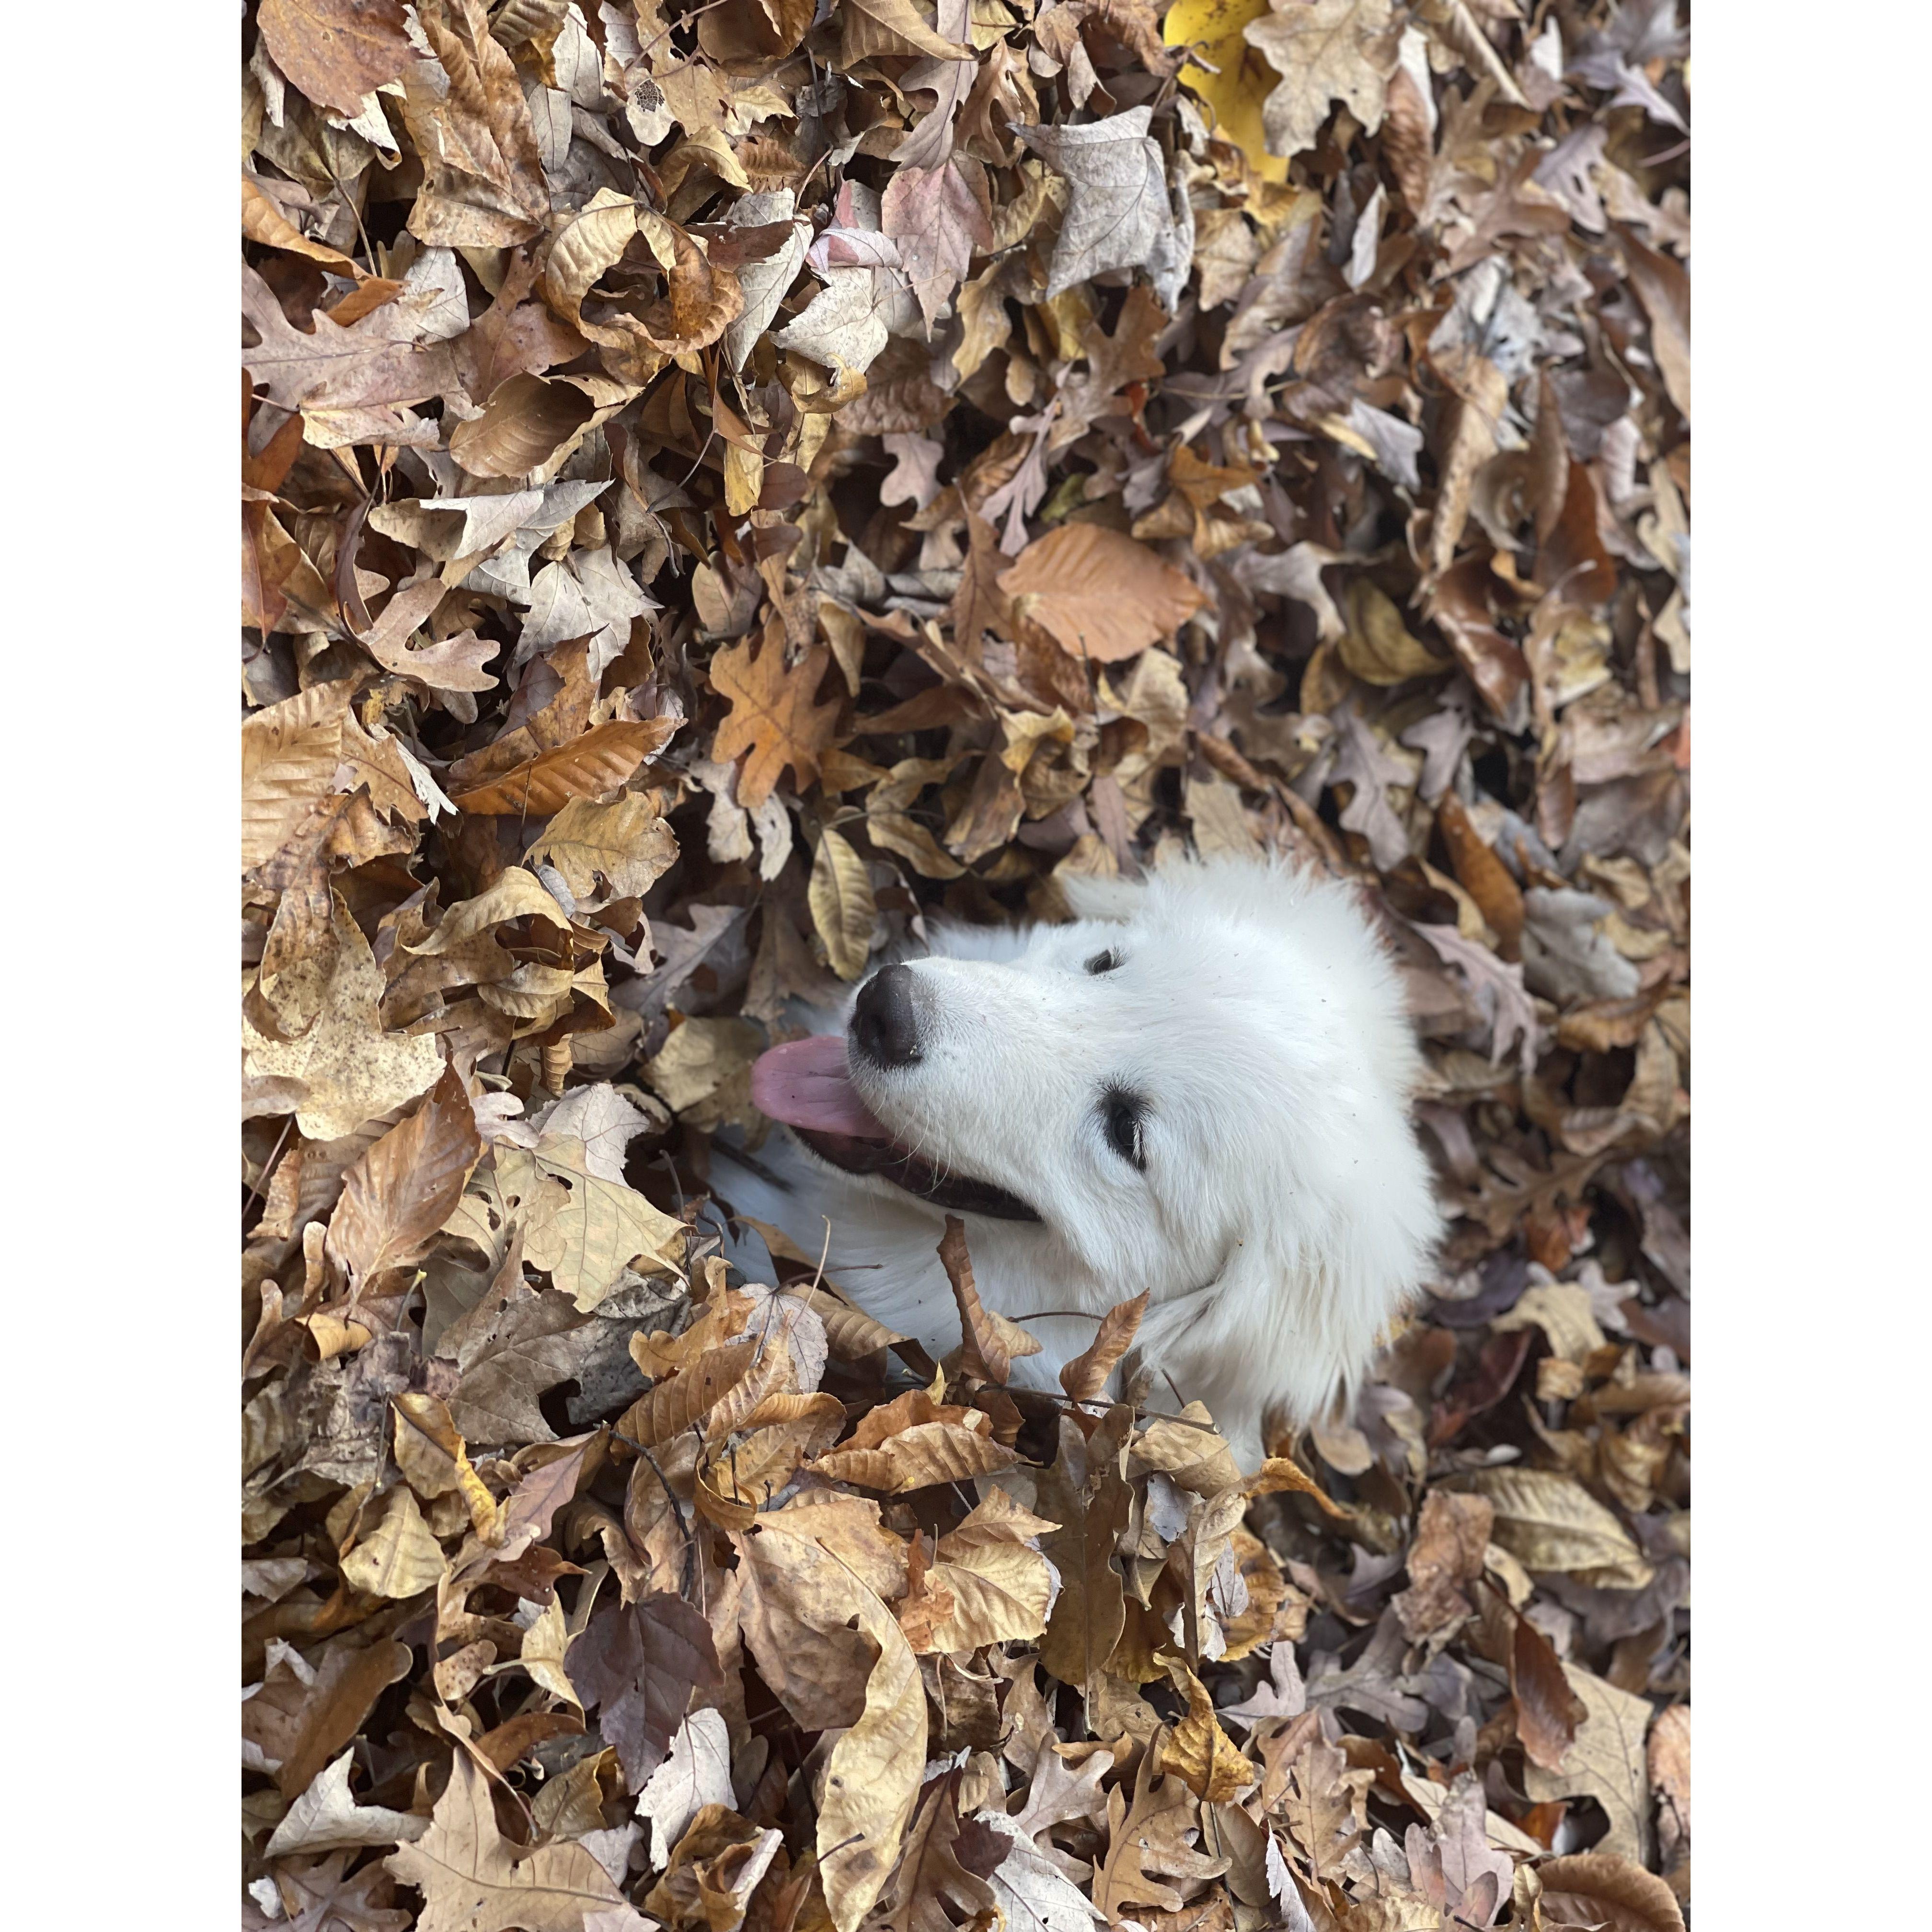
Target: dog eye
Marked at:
1104, 962
1121, 1119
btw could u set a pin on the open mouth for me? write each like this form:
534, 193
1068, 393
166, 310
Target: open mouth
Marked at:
805, 1084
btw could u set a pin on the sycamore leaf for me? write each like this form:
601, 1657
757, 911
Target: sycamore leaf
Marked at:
1326, 50
473, 1881
1118, 214
325, 1818
938, 222
1607, 1762
1098, 595
696, 1772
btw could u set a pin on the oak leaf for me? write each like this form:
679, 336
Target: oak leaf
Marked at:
774, 714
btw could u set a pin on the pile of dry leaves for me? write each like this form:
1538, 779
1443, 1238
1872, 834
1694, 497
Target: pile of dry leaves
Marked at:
720, 484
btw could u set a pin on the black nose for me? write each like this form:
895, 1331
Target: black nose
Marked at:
884, 1027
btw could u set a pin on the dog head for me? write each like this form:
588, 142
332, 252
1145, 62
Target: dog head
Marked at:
1203, 1080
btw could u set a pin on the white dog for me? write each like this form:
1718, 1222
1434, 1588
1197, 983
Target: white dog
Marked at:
1199, 1088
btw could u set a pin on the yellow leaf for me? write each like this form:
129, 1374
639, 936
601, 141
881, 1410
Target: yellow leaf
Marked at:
1208, 1759
624, 842
1244, 79
842, 906
1378, 646
399, 1557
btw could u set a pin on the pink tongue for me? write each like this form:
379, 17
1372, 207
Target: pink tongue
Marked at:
804, 1084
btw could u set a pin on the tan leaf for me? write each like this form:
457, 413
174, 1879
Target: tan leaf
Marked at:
928, 1452
683, 1401
1098, 595
1199, 1749
587, 767
843, 910
1599, 1889
263, 221
336, 51
526, 422
1325, 50
1000, 1584
399, 1557
989, 1341
1606, 1762
1551, 1522
483, 185
774, 714
585, 1230
289, 752
1283, 1472
347, 1069
1377, 645
454, 663
618, 849
894, 27
541, 1655
1086, 1375
326, 1818
874, 1775
472, 1881
399, 1193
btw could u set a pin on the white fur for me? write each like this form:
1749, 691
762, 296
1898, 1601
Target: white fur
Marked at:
1285, 1213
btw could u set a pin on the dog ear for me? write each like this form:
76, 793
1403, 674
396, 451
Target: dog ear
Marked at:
1091, 898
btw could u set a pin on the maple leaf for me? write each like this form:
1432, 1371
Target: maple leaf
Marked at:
938, 221
472, 1881
1325, 50
776, 715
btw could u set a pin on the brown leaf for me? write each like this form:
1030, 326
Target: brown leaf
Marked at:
1547, 1711
1086, 1375
1482, 875
587, 767
336, 51
399, 1193
1208, 1760
641, 1663
1088, 1493
775, 715
843, 909
989, 1341
1100, 596
1599, 1889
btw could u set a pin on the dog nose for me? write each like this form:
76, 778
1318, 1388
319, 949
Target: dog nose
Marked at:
884, 1027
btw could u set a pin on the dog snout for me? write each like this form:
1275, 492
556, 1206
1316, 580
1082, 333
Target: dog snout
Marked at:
885, 1023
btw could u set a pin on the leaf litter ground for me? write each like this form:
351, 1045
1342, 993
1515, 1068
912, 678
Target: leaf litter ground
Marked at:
720, 485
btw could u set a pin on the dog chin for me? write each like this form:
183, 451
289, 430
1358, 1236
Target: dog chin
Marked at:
900, 1169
